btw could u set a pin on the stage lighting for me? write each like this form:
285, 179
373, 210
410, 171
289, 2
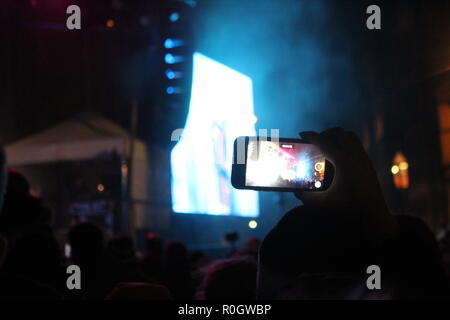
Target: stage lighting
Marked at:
110, 23
172, 43
395, 169
170, 90
170, 74
400, 171
403, 165
317, 184
171, 59
169, 43
252, 224
173, 90
174, 17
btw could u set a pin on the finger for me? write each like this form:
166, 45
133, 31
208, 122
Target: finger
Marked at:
336, 136
314, 138
329, 142
332, 131
306, 135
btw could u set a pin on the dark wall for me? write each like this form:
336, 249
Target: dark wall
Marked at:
50, 73
401, 71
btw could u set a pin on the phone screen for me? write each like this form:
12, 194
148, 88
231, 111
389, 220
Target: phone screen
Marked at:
284, 165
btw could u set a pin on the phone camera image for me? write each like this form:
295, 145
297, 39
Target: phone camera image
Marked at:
284, 165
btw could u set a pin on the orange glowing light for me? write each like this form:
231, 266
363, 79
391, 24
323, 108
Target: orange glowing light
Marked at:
400, 172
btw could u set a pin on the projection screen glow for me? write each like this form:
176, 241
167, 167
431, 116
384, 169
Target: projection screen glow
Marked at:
221, 109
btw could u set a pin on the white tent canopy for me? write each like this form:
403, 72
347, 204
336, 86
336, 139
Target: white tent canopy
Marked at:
83, 138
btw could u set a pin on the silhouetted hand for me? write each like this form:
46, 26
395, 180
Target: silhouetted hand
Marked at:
355, 184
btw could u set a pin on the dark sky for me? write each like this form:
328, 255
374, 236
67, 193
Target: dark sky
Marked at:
313, 63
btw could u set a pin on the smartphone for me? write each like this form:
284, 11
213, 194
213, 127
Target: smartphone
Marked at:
268, 164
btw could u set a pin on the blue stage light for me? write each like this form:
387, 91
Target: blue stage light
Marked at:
169, 43
170, 74
220, 109
169, 58
174, 16
170, 90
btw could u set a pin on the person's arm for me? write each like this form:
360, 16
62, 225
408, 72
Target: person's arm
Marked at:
347, 228
355, 184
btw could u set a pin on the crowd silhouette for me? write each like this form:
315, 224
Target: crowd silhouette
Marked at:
33, 264
320, 250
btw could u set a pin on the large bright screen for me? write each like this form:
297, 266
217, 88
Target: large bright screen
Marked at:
220, 110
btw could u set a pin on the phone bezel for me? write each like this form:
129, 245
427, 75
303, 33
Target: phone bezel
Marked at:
238, 170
